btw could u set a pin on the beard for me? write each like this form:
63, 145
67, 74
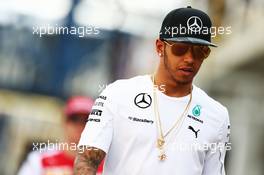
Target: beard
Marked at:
172, 73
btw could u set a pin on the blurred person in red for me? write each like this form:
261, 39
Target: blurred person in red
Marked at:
56, 161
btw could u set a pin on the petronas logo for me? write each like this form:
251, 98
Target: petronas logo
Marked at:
197, 110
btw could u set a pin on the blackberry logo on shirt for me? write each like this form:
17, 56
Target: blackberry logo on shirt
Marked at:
96, 112
196, 110
143, 100
140, 120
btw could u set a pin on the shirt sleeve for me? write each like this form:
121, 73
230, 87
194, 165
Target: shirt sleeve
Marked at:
99, 127
32, 165
215, 157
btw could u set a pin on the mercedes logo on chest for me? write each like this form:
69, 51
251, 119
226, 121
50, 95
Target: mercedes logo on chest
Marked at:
143, 100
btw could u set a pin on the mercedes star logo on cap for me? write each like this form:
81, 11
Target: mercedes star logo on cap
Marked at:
194, 24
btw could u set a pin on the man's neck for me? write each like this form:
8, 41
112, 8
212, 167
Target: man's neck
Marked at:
172, 88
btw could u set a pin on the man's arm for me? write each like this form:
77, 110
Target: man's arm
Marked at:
87, 162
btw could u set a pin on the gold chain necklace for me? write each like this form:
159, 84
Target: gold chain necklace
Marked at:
161, 137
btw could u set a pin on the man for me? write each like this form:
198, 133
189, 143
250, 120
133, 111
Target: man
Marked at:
60, 161
160, 123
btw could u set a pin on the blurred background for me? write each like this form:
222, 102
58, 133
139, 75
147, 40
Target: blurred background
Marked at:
37, 73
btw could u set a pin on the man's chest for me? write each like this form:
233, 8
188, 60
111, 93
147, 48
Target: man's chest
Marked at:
137, 118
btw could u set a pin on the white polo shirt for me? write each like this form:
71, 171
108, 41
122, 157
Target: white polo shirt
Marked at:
122, 123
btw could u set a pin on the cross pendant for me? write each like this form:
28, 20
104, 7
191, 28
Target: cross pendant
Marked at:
162, 156
160, 143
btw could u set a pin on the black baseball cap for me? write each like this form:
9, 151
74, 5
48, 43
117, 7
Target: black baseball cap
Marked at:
187, 25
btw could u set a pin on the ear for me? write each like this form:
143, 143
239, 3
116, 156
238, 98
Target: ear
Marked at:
159, 47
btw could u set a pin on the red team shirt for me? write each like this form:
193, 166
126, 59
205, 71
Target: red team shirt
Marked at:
50, 163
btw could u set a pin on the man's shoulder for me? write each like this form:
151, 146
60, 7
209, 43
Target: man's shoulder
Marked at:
137, 80
130, 84
122, 91
210, 102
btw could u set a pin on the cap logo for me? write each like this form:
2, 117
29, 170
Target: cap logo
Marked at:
194, 23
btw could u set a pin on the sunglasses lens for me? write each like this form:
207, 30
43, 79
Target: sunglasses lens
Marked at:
201, 52
179, 49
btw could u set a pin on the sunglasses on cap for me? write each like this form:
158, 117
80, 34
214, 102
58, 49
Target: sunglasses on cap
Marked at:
180, 49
